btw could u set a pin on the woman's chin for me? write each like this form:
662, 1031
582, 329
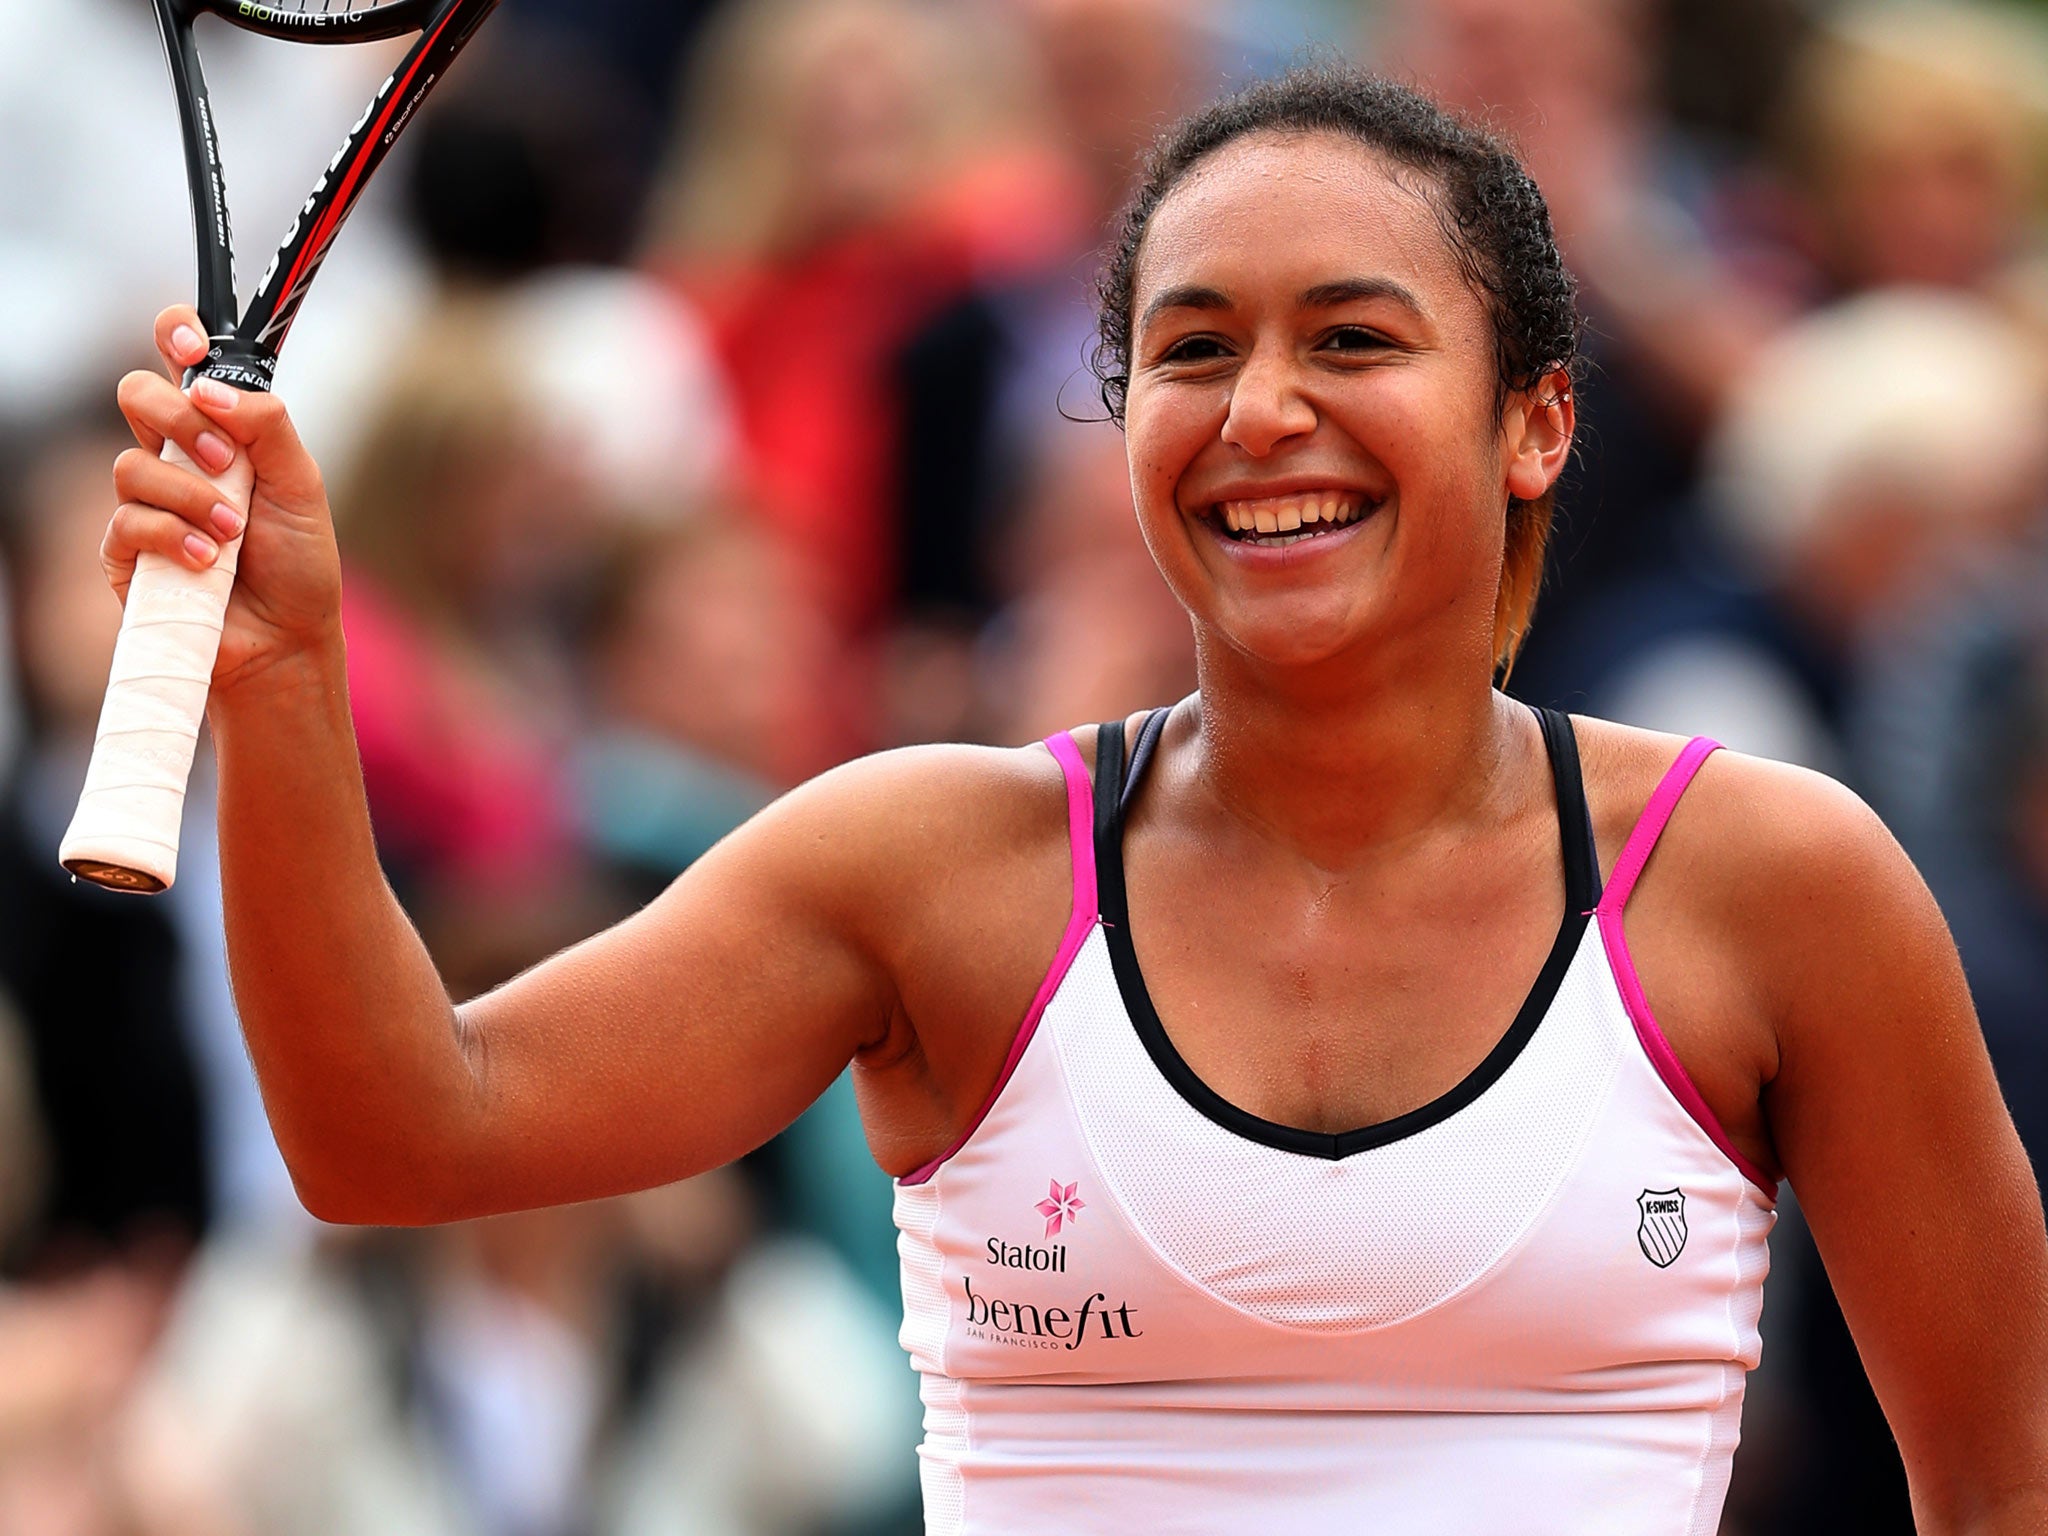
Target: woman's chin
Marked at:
1299, 638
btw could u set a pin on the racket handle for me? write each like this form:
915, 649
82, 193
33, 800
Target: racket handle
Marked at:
124, 834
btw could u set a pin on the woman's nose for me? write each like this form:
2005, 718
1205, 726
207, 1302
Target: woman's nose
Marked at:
1267, 406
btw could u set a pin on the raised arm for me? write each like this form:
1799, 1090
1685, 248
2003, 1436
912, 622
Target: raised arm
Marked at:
674, 1042
667, 1045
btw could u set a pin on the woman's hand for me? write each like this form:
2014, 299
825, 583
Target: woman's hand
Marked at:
287, 593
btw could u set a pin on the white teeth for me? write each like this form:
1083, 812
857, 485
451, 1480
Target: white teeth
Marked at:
1283, 519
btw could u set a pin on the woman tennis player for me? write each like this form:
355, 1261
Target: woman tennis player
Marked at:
1345, 1100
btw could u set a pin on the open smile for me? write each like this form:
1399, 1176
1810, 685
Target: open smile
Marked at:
1278, 522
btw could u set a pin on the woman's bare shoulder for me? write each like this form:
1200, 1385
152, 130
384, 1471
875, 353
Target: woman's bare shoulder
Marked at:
922, 809
939, 790
1789, 863
1749, 815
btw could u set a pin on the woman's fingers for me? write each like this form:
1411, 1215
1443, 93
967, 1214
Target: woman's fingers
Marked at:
157, 409
213, 421
261, 426
180, 338
141, 477
137, 530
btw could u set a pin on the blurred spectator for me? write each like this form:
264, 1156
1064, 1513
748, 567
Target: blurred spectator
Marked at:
1950, 727
1722, 75
1673, 323
461, 526
1092, 632
702, 660
1913, 132
606, 1369
74, 1349
644, 43
532, 156
619, 375
831, 189
1878, 451
24, 1168
1573, 82
988, 379
1877, 448
102, 1159
100, 980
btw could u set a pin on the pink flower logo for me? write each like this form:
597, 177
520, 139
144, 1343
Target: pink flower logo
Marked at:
1060, 1205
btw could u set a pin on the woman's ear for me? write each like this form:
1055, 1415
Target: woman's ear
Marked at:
1537, 434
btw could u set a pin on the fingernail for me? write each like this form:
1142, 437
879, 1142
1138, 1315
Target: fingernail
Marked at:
216, 451
186, 341
214, 393
199, 549
226, 519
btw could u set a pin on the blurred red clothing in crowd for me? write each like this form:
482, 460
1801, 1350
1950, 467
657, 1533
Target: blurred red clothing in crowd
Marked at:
808, 342
462, 790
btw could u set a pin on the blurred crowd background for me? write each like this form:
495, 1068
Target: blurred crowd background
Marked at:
703, 392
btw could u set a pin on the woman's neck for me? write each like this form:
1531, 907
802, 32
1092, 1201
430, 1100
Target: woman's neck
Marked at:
1340, 761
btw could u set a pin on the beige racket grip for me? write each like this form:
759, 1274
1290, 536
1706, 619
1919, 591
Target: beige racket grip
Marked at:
124, 834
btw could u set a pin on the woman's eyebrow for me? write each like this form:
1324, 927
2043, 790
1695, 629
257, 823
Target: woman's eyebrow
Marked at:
1187, 296
1344, 290
1350, 290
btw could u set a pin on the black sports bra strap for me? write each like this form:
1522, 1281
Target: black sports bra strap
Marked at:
1575, 821
1149, 732
1114, 786
1109, 821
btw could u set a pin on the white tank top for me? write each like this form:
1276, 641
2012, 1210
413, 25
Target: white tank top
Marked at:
1525, 1307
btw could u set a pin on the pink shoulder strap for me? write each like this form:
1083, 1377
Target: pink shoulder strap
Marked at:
1080, 923
1080, 823
1635, 853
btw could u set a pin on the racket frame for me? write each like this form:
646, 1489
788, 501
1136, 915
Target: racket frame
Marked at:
244, 342
125, 833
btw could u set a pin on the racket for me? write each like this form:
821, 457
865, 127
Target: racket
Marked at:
125, 833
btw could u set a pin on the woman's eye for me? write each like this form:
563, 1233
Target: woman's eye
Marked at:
1355, 338
1192, 349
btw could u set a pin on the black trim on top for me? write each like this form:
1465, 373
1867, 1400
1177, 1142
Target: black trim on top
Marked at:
1574, 817
1150, 729
1109, 816
1581, 880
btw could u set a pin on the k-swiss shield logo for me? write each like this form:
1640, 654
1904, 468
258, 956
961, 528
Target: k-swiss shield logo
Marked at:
1661, 1232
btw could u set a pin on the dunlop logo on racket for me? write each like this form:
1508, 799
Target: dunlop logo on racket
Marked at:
326, 180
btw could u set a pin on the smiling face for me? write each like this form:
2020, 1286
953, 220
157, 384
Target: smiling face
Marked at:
1319, 455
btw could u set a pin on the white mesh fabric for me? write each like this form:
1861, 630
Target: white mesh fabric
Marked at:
938, 1459
1753, 1223
923, 1335
1361, 1242
1754, 1219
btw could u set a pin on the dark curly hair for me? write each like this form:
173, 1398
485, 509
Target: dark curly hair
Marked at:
1492, 216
